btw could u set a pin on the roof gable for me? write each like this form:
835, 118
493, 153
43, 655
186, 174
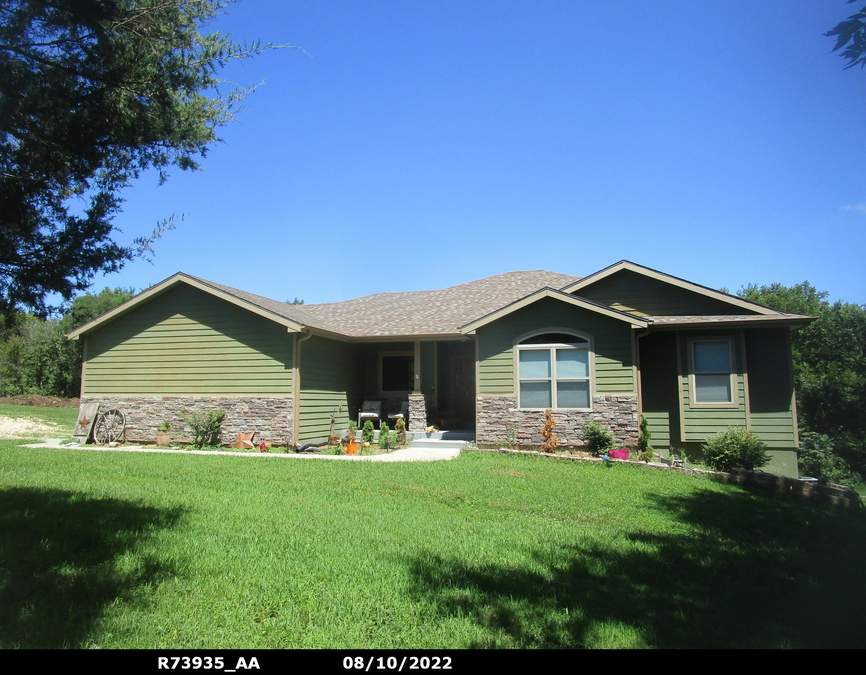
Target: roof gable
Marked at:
223, 293
647, 292
472, 326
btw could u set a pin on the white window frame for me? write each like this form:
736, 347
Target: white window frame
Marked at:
583, 342
731, 372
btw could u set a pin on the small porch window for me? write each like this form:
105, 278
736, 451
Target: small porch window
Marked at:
396, 373
553, 372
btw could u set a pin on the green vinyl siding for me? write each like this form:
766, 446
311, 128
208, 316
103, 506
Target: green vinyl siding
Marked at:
702, 421
330, 381
612, 344
641, 295
185, 341
770, 387
659, 425
659, 391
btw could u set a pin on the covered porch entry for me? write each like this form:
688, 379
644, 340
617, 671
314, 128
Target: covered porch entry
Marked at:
435, 379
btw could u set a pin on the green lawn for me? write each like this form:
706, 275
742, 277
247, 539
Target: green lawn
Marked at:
138, 550
65, 417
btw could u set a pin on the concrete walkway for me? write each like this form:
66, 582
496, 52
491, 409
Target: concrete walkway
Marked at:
406, 455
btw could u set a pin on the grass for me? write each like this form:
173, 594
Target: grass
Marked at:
65, 417
132, 550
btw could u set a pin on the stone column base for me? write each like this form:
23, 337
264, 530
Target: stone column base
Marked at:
417, 412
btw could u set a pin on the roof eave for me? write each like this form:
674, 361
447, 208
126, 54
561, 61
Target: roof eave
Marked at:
740, 323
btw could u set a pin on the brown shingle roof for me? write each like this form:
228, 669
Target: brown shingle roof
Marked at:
409, 313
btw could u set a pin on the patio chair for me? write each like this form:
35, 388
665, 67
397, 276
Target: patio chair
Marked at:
402, 415
370, 410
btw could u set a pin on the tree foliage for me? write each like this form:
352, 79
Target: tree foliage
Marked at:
829, 365
35, 355
92, 93
851, 34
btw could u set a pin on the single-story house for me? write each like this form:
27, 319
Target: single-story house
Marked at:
488, 356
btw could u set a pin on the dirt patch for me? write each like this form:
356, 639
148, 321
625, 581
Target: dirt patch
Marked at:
40, 401
19, 427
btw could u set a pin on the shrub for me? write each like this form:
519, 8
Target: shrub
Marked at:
598, 437
551, 440
735, 447
205, 426
384, 436
511, 436
400, 430
818, 458
367, 433
644, 448
351, 431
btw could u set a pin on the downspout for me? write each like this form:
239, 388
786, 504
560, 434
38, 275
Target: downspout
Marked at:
296, 385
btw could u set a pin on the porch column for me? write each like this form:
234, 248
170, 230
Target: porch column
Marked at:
417, 404
417, 361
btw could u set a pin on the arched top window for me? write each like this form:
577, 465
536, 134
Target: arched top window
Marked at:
553, 371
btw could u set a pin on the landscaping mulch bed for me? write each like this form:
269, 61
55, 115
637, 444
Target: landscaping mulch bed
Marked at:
40, 401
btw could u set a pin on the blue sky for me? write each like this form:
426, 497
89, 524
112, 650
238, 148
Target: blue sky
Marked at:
418, 145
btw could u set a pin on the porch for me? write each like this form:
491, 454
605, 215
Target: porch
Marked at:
435, 379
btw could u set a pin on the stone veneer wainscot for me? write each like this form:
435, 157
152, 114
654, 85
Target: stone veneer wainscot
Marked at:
497, 413
269, 417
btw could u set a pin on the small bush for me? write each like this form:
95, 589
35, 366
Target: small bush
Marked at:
818, 458
367, 433
645, 450
400, 430
351, 431
205, 426
551, 440
598, 437
511, 436
384, 436
735, 447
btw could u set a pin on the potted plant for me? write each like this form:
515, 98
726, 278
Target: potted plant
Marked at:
351, 432
162, 436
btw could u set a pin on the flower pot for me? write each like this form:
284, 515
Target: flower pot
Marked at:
163, 438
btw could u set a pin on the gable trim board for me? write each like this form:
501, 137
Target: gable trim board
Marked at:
178, 344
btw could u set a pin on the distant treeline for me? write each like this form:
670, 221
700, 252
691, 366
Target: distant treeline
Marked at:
829, 376
35, 355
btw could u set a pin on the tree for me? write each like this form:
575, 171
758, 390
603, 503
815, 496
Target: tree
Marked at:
851, 34
35, 355
829, 365
92, 93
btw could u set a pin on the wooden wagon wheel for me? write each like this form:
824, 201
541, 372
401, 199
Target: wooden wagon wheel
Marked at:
110, 427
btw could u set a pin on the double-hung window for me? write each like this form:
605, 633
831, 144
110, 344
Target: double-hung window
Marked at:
712, 372
553, 371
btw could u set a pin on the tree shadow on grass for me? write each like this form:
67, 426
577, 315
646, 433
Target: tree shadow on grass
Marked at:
65, 557
738, 571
